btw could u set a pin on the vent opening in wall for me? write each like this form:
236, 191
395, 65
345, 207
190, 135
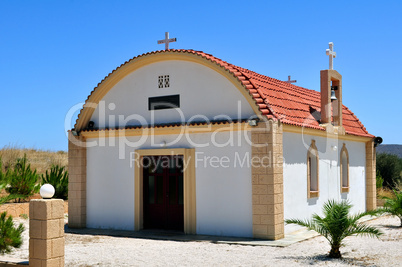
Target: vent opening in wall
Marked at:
164, 102
167, 82
163, 81
160, 81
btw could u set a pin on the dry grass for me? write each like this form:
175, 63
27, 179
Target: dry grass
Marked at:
39, 159
384, 192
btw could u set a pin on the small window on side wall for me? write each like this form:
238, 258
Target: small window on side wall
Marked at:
312, 171
344, 169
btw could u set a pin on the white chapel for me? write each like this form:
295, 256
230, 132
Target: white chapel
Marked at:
182, 140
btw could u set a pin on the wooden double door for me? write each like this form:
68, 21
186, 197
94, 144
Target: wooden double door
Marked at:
163, 192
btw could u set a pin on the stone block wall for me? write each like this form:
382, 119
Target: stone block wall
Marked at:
17, 209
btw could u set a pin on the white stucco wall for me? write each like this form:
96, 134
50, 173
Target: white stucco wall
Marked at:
110, 186
296, 204
202, 92
223, 195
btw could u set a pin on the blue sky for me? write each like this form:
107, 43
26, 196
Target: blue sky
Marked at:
53, 53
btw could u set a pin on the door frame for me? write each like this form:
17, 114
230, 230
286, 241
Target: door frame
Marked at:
189, 197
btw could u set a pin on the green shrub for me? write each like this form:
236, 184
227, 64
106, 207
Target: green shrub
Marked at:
58, 177
22, 180
389, 167
3, 184
337, 224
10, 236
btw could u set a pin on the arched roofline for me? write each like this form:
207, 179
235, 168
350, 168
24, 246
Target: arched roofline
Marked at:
241, 82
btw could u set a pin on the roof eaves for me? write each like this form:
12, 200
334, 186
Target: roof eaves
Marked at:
165, 126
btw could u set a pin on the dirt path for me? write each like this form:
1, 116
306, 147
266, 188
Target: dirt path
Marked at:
87, 250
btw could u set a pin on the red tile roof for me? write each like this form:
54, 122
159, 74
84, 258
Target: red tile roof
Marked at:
277, 100
286, 102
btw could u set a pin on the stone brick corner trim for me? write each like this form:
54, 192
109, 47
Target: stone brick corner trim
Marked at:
267, 181
371, 193
77, 168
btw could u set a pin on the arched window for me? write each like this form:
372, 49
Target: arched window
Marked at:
312, 171
344, 169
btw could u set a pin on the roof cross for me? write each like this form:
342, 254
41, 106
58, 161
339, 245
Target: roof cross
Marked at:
331, 54
290, 81
166, 41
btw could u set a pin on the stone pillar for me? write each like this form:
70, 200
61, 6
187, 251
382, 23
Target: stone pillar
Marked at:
46, 232
267, 180
77, 192
371, 190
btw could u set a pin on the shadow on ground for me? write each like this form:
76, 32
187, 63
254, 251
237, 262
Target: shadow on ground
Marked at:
288, 240
312, 260
156, 235
391, 226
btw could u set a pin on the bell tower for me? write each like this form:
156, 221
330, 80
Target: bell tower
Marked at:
331, 96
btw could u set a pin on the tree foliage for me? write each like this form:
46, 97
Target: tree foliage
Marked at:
22, 180
379, 181
389, 166
58, 177
337, 224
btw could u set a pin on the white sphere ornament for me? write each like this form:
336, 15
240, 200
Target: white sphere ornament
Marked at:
47, 191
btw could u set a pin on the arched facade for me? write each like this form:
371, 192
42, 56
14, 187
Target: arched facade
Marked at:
115, 77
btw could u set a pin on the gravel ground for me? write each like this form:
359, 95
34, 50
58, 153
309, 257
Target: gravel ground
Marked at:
88, 250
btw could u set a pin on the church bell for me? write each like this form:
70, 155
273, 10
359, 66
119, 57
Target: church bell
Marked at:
333, 96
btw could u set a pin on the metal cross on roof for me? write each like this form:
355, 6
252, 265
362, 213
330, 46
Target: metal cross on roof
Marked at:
166, 41
290, 81
331, 54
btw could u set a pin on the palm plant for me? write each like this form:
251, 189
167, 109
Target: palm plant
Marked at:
58, 177
337, 224
394, 205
